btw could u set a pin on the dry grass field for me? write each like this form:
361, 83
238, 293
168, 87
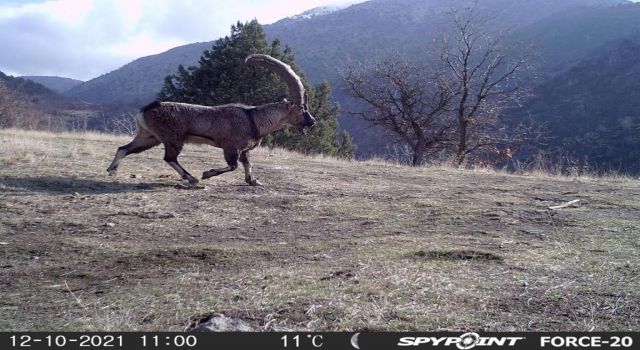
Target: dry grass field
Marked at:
323, 245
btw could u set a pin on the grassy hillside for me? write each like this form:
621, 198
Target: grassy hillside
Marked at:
324, 245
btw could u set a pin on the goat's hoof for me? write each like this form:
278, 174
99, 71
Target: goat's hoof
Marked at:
192, 180
112, 172
254, 182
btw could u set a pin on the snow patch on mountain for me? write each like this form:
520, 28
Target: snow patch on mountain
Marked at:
322, 10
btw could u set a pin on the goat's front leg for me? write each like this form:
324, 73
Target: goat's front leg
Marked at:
248, 176
231, 157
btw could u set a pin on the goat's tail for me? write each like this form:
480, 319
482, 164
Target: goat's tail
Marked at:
151, 105
141, 123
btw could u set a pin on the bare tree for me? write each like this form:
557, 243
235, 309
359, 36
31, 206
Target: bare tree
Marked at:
454, 107
483, 77
124, 124
407, 100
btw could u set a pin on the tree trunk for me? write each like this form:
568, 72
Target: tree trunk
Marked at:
418, 153
461, 153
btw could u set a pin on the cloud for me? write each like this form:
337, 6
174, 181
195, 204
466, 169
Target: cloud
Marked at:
85, 38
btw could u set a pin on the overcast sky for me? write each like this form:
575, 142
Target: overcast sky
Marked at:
83, 39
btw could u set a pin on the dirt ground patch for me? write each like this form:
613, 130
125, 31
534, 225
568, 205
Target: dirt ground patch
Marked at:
323, 245
458, 255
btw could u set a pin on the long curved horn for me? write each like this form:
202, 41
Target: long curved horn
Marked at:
296, 89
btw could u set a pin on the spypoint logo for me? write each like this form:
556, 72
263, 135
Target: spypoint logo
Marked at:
464, 342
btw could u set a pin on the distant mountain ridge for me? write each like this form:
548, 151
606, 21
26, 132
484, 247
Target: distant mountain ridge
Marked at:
323, 43
138, 82
378, 27
55, 83
565, 33
25, 87
48, 99
584, 119
31, 105
566, 37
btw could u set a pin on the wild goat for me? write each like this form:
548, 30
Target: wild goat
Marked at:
236, 128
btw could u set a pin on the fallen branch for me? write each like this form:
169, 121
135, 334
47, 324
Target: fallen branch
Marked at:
73, 295
573, 203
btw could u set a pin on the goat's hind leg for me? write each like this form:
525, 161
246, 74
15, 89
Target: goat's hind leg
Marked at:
231, 157
171, 153
245, 159
139, 144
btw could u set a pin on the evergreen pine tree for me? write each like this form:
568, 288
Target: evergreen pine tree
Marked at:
347, 148
222, 77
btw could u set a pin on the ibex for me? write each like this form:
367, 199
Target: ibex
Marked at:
236, 128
